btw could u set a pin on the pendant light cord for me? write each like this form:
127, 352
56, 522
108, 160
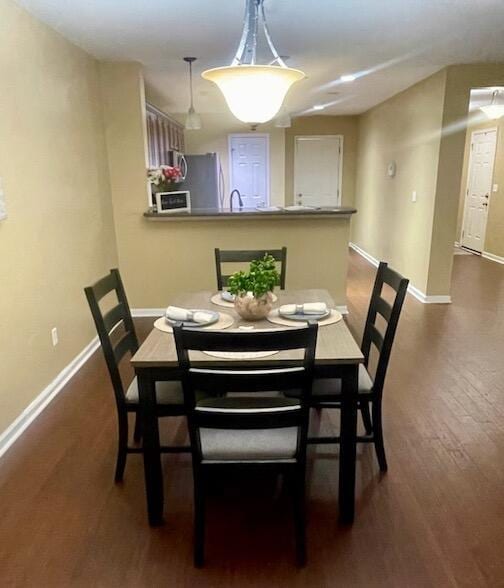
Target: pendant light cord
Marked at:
190, 84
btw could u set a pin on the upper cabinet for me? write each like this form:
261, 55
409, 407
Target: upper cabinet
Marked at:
164, 134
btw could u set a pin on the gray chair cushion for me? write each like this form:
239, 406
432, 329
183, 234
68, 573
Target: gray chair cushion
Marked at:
248, 444
332, 386
166, 392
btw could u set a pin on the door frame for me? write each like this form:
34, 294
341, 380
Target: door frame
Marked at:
340, 163
252, 134
468, 179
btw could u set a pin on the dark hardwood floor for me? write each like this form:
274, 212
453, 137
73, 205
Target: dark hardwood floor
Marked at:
436, 519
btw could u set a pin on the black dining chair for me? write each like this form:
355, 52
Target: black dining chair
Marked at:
241, 256
242, 428
326, 392
117, 335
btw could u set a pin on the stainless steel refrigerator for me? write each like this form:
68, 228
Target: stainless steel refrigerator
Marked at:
205, 181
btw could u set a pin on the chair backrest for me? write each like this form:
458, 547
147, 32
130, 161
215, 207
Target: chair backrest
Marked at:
228, 256
390, 313
250, 411
114, 348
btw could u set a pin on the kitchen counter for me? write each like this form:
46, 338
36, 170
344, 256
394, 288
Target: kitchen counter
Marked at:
209, 214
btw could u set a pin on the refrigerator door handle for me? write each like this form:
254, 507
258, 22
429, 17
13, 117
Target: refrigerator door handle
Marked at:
183, 166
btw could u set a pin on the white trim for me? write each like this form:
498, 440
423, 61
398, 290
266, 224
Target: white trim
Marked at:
340, 162
268, 164
456, 244
468, 181
31, 412
413, 290
142, 312
492, 257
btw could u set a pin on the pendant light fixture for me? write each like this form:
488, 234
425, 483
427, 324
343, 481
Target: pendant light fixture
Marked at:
495, 109
253, 92
193, 119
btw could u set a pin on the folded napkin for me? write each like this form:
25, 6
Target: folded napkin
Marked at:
306, 308
225, 295
174, 313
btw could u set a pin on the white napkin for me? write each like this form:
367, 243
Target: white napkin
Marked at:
306, 308
175, 313
225, 295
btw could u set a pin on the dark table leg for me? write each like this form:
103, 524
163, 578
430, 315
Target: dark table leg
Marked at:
348, 444
151, 451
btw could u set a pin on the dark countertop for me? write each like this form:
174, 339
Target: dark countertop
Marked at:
247, 213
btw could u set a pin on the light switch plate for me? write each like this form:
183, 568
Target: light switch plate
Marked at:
3, 209
413, 196
495, 188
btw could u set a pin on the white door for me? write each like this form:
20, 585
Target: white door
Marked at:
249, 171
479, 186
317, 170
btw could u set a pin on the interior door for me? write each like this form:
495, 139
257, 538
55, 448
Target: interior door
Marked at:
317, 168
479, 185
249, 169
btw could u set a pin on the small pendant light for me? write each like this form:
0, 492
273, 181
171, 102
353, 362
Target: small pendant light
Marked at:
193, 119
495, 109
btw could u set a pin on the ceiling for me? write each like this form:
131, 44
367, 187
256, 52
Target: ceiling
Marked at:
388, 44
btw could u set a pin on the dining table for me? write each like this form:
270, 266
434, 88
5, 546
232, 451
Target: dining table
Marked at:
337, 356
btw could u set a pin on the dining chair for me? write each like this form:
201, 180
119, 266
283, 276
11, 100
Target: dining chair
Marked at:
241, 428
237, 256
117, 335
326, 392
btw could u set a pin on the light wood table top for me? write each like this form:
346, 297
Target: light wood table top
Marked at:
335, 344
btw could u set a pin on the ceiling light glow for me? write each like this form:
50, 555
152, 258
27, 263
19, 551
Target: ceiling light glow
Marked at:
348, 78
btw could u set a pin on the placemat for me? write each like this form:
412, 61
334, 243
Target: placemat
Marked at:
225, 321
240, 354
274, 317
216, 299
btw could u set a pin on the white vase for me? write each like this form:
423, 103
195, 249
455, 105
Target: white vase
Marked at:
253, 309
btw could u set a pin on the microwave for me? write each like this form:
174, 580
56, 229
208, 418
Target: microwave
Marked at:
177, 159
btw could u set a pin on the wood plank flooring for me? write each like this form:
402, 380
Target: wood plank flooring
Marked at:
436, 519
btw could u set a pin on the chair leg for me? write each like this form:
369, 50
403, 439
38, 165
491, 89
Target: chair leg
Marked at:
122, 446
378, 436
366, 417
199, 520
300, 517
137, 435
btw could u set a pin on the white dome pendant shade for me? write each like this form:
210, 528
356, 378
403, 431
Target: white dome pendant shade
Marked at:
254, 93
495, 109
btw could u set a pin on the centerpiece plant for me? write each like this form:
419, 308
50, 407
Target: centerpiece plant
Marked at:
164, 178
253, 290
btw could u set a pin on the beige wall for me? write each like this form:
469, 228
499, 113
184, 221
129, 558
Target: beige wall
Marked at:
405, 129
59, 235
494, 241
324, 125
213, 137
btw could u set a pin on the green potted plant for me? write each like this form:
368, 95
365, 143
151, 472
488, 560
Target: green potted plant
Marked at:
253, 290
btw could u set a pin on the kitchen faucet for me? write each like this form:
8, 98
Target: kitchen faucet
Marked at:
240, 201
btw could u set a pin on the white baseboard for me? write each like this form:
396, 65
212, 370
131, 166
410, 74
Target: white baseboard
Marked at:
492, 257
413, 290
31, 412
141, 312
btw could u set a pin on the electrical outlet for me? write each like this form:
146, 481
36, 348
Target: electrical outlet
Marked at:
413, 196
54, 336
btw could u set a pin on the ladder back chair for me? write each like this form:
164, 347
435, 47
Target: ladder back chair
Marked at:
327, 392
117, 335
237, 256
241, 427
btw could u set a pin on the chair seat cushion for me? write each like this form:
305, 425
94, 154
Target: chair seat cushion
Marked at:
166, 393
330, 388
248, 444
